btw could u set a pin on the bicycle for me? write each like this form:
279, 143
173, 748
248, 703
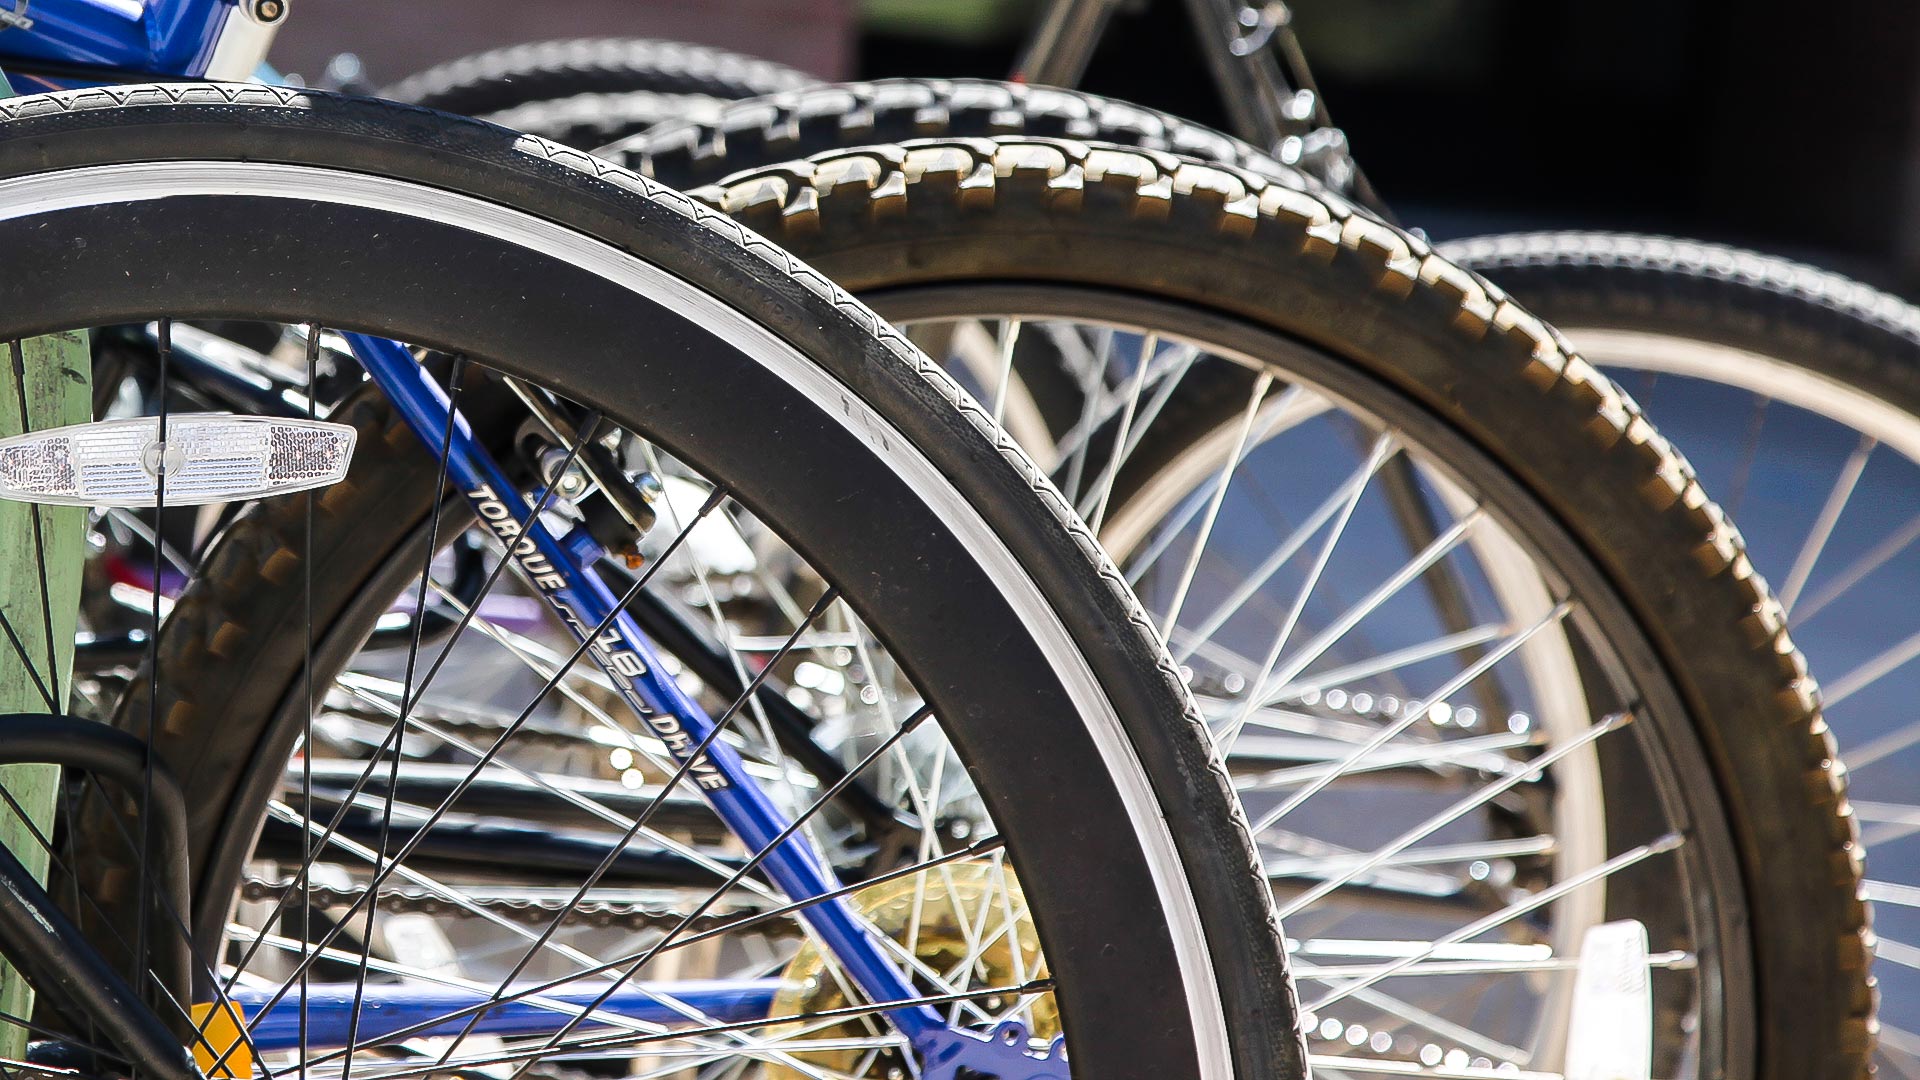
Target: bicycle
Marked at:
1772, 366
145, 962
1421, 965
1356, 637
1728, 332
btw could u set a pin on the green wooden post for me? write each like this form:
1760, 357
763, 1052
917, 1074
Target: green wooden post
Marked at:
58, 381
57, 385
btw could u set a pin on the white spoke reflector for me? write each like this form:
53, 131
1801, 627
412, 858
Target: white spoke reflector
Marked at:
207, 458
1610, 1035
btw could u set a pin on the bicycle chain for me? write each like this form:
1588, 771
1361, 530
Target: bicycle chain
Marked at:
482, 727
600, 914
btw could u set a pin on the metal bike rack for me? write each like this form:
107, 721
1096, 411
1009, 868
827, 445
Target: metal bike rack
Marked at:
41, 941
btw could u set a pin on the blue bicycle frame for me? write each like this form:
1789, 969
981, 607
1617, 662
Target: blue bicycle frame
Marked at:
165, 37
186, 38
69, 43
559, 568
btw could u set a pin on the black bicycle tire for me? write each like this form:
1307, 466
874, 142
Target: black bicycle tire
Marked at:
590, 121
1815, 319
516, 75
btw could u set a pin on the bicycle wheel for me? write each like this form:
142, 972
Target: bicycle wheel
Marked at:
1237, 335
1800, 392
1744, 341
517, 75
937, 556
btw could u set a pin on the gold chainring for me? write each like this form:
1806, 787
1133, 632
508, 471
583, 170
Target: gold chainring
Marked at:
943, 915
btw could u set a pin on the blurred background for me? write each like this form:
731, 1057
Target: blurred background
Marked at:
1794, 128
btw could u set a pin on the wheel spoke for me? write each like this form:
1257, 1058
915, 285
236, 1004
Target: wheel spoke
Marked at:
1440, 547
1873, 559
1258, 693
1170, 527
1893, 892
1900, 1039
1341, 497
1415, 715
328, 834
1441, 820
1506, 914
1411, 1014
1078, 441
1487, 754
1897, 952
1518, 847
1822, 530
601, 1043
1098, 514
1218, 496
1749, 453
1461, 642
1871, 671
1008, 338
407, 699
667, 941
1544, 963
569, 795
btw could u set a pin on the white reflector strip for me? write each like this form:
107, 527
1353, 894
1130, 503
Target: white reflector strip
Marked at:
1611, 1034
210, 457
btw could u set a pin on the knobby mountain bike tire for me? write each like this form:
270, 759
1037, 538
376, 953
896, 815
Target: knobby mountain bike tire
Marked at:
1750, 307
1151, 232
810, 120
1806, 387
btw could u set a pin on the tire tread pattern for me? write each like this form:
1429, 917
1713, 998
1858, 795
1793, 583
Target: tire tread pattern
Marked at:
800, 123
587, 121
543, 71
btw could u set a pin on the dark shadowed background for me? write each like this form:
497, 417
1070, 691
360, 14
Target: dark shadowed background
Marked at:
1787, 126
